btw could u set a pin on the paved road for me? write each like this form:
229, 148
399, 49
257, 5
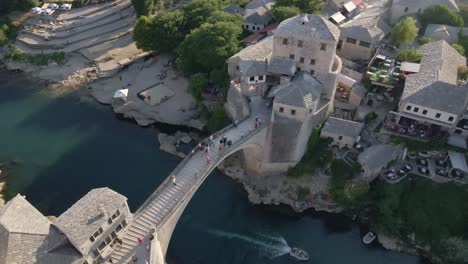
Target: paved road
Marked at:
190, 171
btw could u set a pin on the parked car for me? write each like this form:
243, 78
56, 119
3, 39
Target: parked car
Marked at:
411, 155
440, 163
401, 172
423, 170
441, 172
424, 154
422, 162
457, 174
407, 168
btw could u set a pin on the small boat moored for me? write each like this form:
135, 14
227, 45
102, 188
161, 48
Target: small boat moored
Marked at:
369, 238
299, 254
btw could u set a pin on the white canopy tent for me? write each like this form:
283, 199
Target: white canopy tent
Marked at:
338, 17
121, 94
350, 6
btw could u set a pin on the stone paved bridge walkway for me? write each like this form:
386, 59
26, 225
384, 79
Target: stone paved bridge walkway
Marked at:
166, 200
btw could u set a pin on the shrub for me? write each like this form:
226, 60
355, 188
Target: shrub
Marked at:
463, 73
441, 14
197, 85
424, 40
459, 48
409, 55
14, 53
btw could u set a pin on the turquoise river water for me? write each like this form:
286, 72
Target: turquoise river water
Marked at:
63, 146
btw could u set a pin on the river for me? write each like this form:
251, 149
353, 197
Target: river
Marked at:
65, 144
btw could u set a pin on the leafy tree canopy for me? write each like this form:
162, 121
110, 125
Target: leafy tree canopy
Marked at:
208, 47
142, 33
143, 7
197, 11
281, 13
409, 55
305, 6
404, 32
441, 14
459, 48
221, 16
424, 40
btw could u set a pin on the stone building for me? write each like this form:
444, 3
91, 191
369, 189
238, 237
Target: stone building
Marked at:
434, 96
344, 133
444, 32
257, 14
82, 234
296, 69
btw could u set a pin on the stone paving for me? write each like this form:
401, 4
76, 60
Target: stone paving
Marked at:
193, 169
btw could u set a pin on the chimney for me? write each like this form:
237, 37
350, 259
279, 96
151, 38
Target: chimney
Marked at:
304, 19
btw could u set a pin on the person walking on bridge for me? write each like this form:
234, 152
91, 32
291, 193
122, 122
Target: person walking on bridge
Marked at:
174, 180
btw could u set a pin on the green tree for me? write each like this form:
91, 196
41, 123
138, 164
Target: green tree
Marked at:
404, 32
142, 33
409, 55
218, 119
197, 11
197, 84
464, 12
208, 47
281, 13
441, 14
459, 48
424, 40
143, 7
453, 250
3, 37
306, 6
221, 16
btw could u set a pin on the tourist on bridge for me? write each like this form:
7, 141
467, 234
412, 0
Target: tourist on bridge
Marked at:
139, 240
174, 180
208, 159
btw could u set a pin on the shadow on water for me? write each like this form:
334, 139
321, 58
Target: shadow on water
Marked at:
23, 87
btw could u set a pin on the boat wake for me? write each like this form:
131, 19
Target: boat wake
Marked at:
270, 246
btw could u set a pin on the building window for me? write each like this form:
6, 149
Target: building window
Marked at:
113, 234
340, 137
406, 9
285, 41
92, 239
109, 221
323, 46
237, 67
424, 112
351, 40
246, 26
301, 59
124, 224
102, 246
281, 109
108, 240
450, 119
118, 228
291, 56
260, 78
252, 78
300, 43
115, 215
437, 115
364, 44
312, 62
408, 107
312, 72
416, 109
299, 69
293, 112
310, 110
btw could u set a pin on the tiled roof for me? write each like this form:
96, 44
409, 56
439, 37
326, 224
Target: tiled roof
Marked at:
432, 30
85, 217
303, 91
253, 68
260, 51
258, 12
435, 85
367, 26
342, 127
308, 26
284, 66
233, 9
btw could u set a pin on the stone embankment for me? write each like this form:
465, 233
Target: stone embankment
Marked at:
172, 143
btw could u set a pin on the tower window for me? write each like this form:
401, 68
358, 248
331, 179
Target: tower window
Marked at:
301, 59
281, 109
260, 78
300, 43
416, 109
437, 115
424, 112
450, 119
323, 46
312, 62
291, 56
293, 112
252, 78
408, 107
285, 41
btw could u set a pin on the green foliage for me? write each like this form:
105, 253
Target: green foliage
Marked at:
453, 250
432, 211
462, 73
317, 155
463, 41
143, 7
404, 32
305, 6
370, 116
342, 174
281, 13
197, 84
464, 12
441, 14
197, 11
221, 16
424, 40
208, 47
13, 53
358, 190
218, 119
3, 37
302, 193
439, 143
7, 6
220, 76
459, 48
162, 33
409, 55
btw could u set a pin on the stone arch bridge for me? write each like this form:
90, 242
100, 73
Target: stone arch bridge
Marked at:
160, 213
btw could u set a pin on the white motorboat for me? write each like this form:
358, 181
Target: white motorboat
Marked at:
368, 238
299, 254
